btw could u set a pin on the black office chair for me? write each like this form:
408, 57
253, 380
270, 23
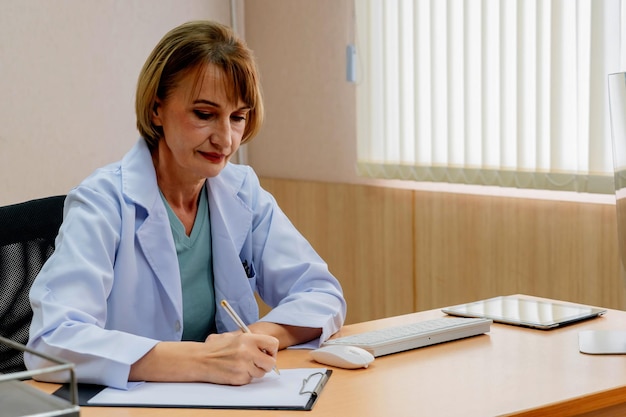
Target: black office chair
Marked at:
27, 234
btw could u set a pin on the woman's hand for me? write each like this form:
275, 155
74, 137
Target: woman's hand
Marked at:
229, 358
239, 357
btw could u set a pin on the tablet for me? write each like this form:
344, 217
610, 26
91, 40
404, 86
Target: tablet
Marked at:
521, 311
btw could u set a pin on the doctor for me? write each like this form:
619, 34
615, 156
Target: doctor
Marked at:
149, 245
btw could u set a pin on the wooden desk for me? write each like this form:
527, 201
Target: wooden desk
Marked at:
509, 371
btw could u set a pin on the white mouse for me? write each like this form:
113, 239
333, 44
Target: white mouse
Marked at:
342, 356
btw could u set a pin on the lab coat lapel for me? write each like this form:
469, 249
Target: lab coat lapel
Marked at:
153, 228
156, 242
230, 222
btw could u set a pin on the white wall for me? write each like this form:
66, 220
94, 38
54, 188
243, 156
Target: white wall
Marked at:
310, 128
68, 71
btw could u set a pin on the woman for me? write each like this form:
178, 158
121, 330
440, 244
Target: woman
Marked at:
150, 245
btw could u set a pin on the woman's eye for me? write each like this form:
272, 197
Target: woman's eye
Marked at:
202, 115
238, 118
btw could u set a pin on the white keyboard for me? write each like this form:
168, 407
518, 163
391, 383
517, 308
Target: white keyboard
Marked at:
414, 335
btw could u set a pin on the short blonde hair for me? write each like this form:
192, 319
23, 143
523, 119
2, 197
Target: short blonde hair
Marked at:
188, 48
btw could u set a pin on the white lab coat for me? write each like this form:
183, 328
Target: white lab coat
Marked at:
112, 288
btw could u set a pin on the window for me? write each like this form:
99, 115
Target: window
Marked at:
510, 93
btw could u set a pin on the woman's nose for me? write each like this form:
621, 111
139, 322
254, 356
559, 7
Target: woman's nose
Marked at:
221, 135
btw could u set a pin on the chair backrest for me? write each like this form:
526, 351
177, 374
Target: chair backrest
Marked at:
27, 234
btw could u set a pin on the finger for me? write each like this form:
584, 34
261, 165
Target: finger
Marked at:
257, 371
268, 345
265, 362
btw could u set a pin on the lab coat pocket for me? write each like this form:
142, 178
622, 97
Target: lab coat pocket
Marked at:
249, 268
250, 274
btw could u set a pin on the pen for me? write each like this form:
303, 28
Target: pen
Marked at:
233, 314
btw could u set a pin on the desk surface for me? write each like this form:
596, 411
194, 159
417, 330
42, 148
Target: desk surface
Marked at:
508, 371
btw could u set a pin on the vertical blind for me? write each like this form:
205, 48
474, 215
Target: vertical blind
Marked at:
510, 93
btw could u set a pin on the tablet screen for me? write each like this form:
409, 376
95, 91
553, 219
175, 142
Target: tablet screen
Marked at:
525, 312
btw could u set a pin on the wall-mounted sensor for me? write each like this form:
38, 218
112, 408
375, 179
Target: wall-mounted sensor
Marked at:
351, 63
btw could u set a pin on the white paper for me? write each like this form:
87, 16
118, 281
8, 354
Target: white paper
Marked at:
270, 391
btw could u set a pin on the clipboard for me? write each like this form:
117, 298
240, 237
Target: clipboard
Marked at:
294, 389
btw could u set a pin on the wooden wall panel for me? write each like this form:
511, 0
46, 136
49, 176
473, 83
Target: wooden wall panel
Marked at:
365, 234
470, 247
397, 251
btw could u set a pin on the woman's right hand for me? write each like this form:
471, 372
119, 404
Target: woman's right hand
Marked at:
233, 358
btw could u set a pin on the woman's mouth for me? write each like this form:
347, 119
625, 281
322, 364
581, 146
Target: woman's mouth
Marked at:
212, 156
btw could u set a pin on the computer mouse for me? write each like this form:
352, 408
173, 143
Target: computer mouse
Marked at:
342, 356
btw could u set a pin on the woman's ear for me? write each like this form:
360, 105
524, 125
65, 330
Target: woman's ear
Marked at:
156, 119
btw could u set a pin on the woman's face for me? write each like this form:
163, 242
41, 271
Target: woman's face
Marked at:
202, 128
